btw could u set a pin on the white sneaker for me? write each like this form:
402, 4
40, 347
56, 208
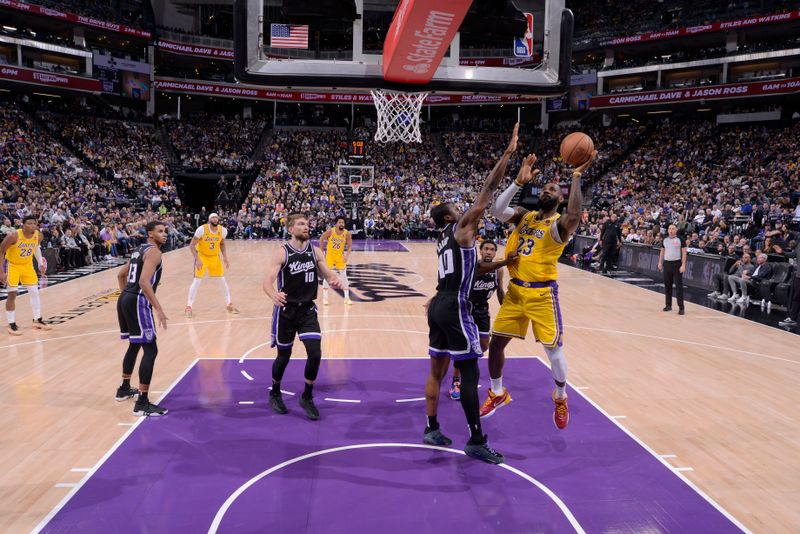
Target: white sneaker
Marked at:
733, 298
713, 295
325, 302
741, 300
348, 302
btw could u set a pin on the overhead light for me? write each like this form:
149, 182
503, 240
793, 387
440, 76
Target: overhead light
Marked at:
703, 109
659, 112
47, 95
10, 28
624, 115
4, 90
634, 119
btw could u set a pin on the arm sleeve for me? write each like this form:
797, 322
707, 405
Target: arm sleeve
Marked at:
200, 232
501, 208
224, 232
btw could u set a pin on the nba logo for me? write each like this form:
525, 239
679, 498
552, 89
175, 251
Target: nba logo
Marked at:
523, 46
520, 48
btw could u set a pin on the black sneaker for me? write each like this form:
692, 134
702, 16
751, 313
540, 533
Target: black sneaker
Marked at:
435, 437
277, 405
681, 311
39, 324
483, 452
13, 329
667, 308
308, 405
125, 393
148, 409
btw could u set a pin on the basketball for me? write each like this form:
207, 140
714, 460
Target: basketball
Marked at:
577, 148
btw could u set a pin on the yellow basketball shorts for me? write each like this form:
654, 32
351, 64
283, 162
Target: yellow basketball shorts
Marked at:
335, 263
536, 305
20, 274
210, 264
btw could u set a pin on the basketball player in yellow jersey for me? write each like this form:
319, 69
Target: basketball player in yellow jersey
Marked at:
207, 247
19, 249
539, 237
337, 244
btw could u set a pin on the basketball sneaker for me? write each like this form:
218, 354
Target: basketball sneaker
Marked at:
14, 330
307, 404
325, 302
483, 452
435, 437
561, 412
148, 409
494, 402
232, 309
455, 390
39, 324
348, 302
187, 312
277, 405
125, 393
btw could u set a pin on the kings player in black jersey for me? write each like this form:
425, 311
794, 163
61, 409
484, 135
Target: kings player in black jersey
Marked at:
488, 279
453, 332
295, 267
138, 282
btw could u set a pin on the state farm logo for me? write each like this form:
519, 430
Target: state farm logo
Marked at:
428, 42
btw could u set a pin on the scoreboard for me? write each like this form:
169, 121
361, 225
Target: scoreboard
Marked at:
358, 149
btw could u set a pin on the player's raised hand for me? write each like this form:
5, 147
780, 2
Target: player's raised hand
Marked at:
279, 299
526, 171
512, 257
162, 319
585, 165
512, 145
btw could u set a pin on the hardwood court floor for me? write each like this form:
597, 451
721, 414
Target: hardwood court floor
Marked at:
716, 393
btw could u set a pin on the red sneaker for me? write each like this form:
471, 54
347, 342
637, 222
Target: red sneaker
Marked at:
561, 413
494, 402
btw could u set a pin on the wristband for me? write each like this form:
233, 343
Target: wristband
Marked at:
518, 184
576, 174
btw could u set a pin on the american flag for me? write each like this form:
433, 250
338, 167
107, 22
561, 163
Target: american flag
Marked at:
288, 36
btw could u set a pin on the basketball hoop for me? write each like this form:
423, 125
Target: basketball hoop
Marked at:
398, 116
355, 186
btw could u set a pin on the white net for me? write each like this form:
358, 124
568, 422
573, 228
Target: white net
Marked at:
398, 116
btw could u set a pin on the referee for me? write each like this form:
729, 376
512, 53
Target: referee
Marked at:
672, 260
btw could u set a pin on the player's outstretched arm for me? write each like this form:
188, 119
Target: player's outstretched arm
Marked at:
502, 206
332, 278
569, 222
468, 224
268, 285
484, 268
152, 257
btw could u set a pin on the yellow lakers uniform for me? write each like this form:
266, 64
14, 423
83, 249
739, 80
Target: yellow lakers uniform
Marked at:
19, 261
532, 295
334, 255
208, 252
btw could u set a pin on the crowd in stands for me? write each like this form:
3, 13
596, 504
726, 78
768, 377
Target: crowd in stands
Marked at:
728, 189
216, 142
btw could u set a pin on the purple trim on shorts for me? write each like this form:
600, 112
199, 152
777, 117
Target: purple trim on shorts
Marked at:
145, 316
310, 335
523, 283
469, 328
484, 335
559, 322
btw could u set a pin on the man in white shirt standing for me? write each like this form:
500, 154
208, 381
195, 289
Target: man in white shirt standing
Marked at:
207, 247
672, 260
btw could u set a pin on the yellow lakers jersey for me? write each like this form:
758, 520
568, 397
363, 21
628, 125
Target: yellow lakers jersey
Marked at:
336, 243
537, 248
208, 245
21, 252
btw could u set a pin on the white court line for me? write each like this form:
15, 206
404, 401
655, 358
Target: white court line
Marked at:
683, 469
342, 400
66, 484
81, 469
282, 391
246, 402
619, 417
678, 474
105, 457
411, 400
582, 388
125, 424
247, 376
668, 455
244, 487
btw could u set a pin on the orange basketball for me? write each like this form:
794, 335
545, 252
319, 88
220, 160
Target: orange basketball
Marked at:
577, 148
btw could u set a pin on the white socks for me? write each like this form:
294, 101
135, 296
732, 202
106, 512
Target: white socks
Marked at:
10, 316
36, 303
226, 290
193, 290
558, 366
497, 385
